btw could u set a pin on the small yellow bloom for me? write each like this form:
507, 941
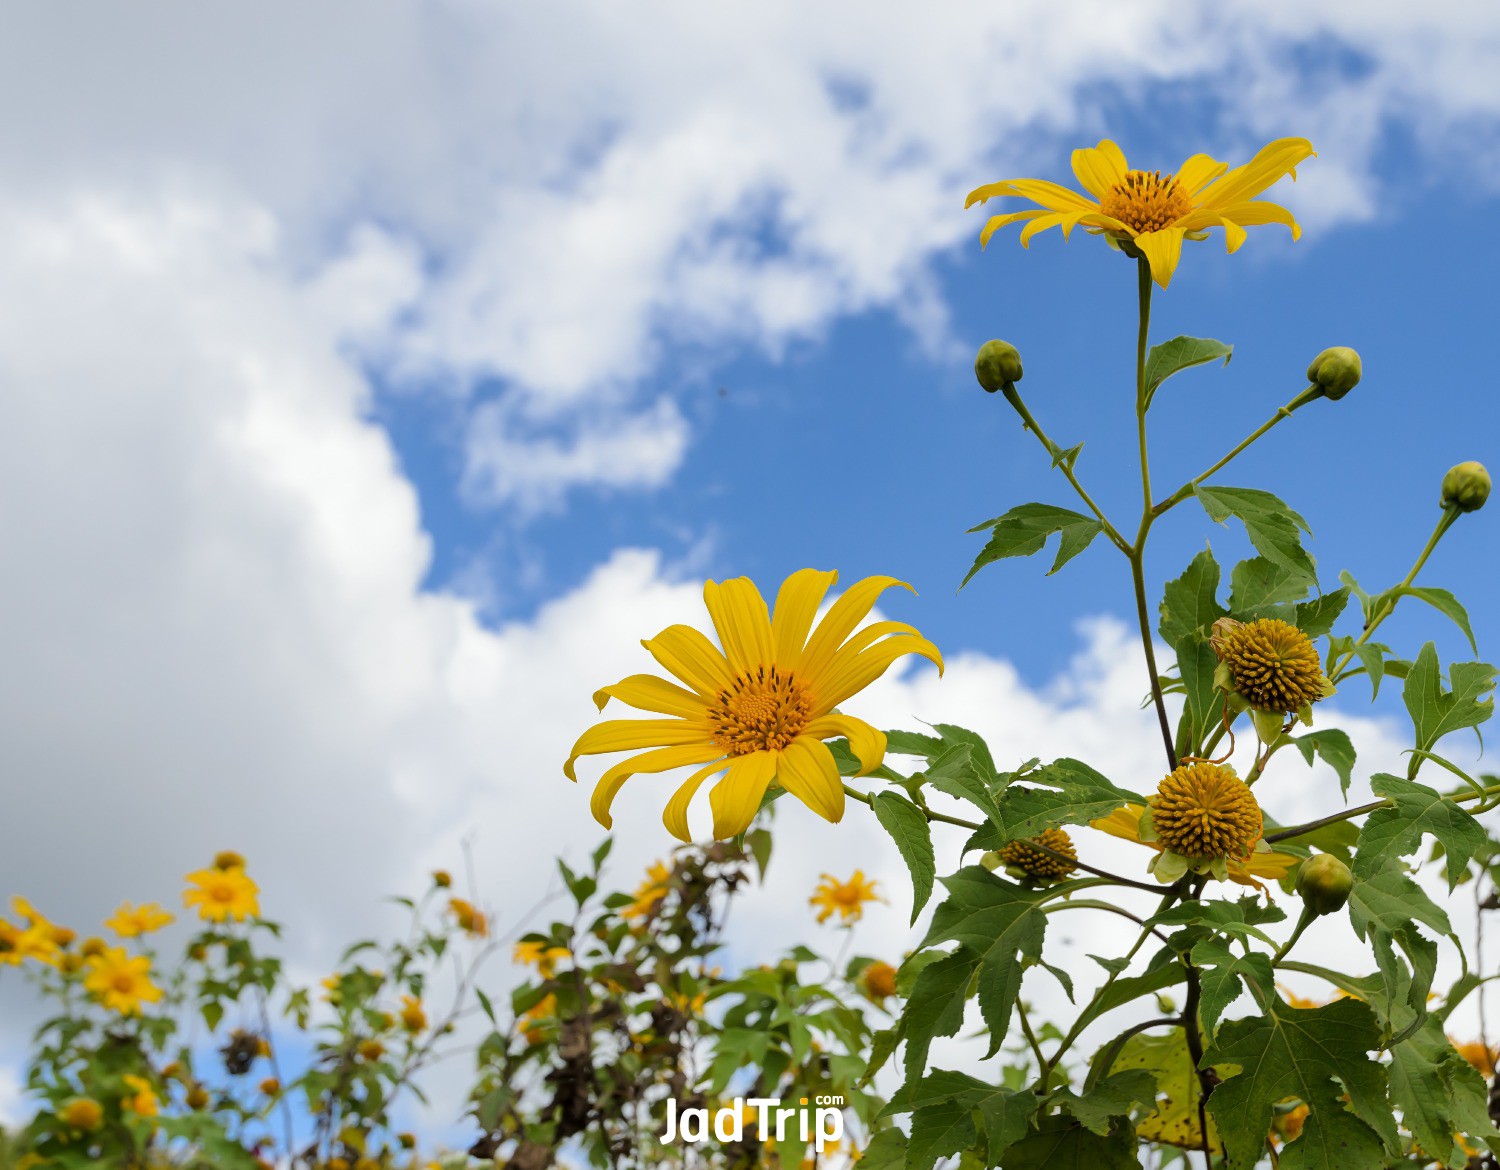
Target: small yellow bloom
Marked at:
758, 706
1149, 212
142, 1098
846, 899
442, 879
121, 982
371, 1050
413, 1015
82, 1113
545, 958
878, 981
650, 893
270, 1086
132, 921
1125, 823
36, 939
222, 894
470, 919
533, 1018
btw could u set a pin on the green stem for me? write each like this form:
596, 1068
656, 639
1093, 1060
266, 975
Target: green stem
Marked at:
1013, 396
1349, 814
1143, 285
1303, 923
866, 799
1186, 489
1445, 522
1036, 1048
1143, 615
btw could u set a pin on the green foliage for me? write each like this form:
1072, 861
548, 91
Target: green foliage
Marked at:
1024, 530
1181, 353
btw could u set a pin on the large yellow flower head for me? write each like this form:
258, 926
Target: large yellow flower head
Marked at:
1125, 823
1273, 665
758, 709
1206, 811
121, 982
222, 894
846, 899
1151, 212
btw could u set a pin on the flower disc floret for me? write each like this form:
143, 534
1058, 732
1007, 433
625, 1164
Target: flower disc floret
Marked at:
1025, 856
1273, 665
1205, 811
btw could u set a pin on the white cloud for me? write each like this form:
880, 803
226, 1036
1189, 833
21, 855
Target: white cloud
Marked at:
589, 187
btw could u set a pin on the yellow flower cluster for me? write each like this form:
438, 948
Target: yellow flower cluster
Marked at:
846, 899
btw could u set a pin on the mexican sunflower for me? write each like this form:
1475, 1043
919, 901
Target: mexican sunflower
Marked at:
1151, 212
1124, 823
758, 709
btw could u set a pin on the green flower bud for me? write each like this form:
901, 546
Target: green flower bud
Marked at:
998, 365
1335, 371
1466, 486
1323, 883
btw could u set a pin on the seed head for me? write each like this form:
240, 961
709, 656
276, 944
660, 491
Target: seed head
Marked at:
1205, 811
1024, 855
1272, 664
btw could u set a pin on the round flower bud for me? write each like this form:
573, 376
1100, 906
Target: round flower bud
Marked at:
1335, 371
998, 365
1023, 855
1205, 811
1466, 486
82, 1113
878, 981
1323, 883
197, 1097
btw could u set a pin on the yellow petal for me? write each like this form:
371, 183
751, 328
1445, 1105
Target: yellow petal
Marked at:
796, 605
649, 693
1197, 172
1255, 212
867, 744
1047, 220
996, 222
839, 622
864, 669
852, 648
1100, 168
744, 625
1124, 823
1162, 250
623, 735
661, 760
736, 798
987, 192
1234, 235
676, 815
807, 771
1050, 195
691, 657
1271, 163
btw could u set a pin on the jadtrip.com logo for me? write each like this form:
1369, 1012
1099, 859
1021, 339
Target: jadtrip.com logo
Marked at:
819, 1120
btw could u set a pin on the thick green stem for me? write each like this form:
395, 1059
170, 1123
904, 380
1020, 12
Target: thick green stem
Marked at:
1143, 284
1303, 923
1350, 813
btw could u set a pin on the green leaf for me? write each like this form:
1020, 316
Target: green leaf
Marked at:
1181, 353
886, 1151
952, 735
1064, 792
943, 1105
1060, 1143
1384, 907
1174, 1120
1316, 1055
1203, 705
1270, 524
956, 773
1261, 588
1446, 604
1316, 617
1334, 748
1113, 1097
1224, 975
1435, 711
1190, 603
1439, 1094
1003, 924
1397, 831
907, 825
1024, 530
935, 1006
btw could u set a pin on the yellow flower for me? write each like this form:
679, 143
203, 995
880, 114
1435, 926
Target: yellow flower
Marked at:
222, 894
759, 709
37, 939
878, 980
121, 982
545, 958
270, 1086
1125, 823
413, 1016
1205, 810
370, 1049
83, 1113
1150, 212
470, 919
131, 921
1024, 856
142, 1098
531, 1021
846, 899
1271, 663
650, 893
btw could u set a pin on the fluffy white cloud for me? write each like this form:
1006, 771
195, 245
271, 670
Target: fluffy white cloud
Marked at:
587, 185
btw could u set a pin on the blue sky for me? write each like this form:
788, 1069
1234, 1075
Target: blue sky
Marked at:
369, 388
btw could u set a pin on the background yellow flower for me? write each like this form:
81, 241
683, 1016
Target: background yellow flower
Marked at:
846, 899
222, 894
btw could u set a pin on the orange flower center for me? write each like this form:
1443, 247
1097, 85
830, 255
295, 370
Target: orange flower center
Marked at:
761, 711
222, 892
123, 982
1146, 201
